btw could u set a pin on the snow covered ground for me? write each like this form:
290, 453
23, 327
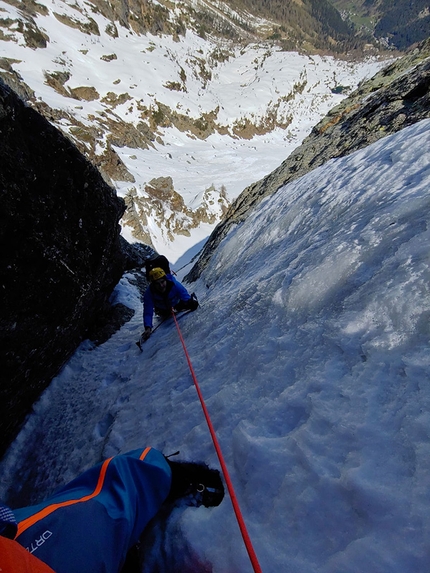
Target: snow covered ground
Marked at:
255, 83
311, 347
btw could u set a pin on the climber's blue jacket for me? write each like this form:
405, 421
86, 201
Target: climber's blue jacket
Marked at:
89, 525
154, 300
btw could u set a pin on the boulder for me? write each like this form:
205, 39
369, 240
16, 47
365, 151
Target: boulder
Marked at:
60, 255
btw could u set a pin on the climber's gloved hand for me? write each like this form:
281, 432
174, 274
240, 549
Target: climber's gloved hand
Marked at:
191, 304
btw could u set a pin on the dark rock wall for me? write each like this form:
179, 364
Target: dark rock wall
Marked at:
60, 255
394, 98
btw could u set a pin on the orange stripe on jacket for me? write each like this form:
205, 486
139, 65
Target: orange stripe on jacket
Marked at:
26, 523
145, 451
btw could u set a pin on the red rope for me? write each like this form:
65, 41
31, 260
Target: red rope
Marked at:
239, 517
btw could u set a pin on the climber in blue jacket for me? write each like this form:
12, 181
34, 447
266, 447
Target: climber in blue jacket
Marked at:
164, 294
89, 525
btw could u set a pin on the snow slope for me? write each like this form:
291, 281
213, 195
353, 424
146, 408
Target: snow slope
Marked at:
311, 347
257, 83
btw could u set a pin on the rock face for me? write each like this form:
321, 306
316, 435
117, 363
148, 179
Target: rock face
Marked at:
394, 98
161, 204
60, 254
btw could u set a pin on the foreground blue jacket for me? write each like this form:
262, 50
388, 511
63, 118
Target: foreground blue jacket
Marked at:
89, 525
154, 300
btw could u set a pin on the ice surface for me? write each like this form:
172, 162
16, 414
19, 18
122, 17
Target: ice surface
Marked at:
311, 347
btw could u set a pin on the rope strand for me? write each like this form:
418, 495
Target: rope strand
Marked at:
239, 517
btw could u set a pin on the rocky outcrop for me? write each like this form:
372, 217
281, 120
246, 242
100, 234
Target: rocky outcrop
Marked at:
60, 254
159, 203
394, 98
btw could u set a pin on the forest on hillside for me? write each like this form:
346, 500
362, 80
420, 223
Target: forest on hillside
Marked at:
400, 24
314, 23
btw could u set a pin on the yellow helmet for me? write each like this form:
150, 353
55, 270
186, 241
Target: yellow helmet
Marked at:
156, 274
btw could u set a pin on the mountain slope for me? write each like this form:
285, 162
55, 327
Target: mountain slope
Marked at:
168, 114
396, 97
306, 26
400, 24
311, 351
